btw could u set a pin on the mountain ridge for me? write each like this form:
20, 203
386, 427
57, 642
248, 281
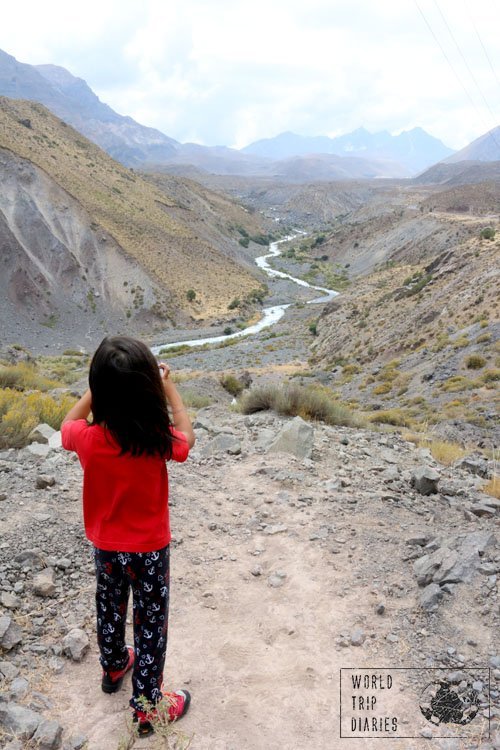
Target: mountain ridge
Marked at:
415, 148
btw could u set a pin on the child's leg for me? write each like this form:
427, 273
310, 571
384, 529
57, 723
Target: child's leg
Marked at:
150, 588
112, 593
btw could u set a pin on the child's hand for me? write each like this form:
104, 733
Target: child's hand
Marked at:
164, 370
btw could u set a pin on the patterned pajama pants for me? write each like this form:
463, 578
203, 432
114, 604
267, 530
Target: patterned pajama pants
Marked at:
147, 573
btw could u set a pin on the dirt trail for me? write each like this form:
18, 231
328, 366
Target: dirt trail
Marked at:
263, 662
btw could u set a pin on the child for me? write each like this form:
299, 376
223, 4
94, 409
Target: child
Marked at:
125, 510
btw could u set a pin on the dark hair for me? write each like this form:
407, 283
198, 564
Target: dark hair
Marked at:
128, 397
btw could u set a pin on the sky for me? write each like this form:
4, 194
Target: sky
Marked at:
229, 72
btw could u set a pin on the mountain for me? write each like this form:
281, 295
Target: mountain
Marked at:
72, 100
135, 145
484, 148
414, 149
459, 173
88, 246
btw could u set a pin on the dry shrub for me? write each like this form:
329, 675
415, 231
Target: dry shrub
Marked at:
20, 413
308, 402
231, 384
397, 417
24, 376
493, 487
475, 362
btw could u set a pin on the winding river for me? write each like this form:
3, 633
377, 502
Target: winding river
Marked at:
270, 315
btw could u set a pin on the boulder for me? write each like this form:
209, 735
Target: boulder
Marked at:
296, 437
425, 480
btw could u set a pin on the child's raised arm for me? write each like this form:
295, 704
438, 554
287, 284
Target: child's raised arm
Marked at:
81, 409
180, 417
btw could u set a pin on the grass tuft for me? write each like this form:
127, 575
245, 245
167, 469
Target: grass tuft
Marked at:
308, 402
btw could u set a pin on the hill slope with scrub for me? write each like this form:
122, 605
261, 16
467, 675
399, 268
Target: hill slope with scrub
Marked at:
86, 239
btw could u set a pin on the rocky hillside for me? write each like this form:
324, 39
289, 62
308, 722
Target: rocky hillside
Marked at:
417, 338
71, 99
89, 246
298, 549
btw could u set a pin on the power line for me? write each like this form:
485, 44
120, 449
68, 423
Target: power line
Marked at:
457, 76
465, 61
482, 44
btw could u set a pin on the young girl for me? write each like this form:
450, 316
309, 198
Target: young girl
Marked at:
125, 510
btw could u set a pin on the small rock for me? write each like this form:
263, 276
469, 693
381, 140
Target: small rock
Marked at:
31, 558
48, 735
276, 579
14, 745
357, 637
8, 670
278, 528
430, 597
474, 466
18, 688
76, 644
10, 633
8, 600
21, 721
78, 742
41, 434
44, 583
256, 570
425, 480
379, 608
43, 481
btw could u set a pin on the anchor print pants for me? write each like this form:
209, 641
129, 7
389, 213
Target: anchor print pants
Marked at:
147, 574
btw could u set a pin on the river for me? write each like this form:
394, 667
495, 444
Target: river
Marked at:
270, 315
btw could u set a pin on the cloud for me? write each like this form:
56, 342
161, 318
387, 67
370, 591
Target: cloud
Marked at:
226, 72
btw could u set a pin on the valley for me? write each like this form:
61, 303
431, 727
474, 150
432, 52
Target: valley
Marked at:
340, 508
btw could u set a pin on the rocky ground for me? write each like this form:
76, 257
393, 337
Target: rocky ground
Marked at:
299, 550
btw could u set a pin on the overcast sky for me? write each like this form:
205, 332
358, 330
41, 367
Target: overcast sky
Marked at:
230, 72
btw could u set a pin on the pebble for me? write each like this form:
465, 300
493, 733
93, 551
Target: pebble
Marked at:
76, 644
43, 481
357, 637
44, 583
276, 579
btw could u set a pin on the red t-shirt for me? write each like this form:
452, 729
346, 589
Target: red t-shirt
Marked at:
125, 498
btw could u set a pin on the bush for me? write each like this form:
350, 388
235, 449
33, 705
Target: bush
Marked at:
20, 413
488, 233
475, 362
396, 417
231, 384
491, 375
244, 241
194, 400
308, 402
236, 302
313, 328
191, 295
227, 331
23, 377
